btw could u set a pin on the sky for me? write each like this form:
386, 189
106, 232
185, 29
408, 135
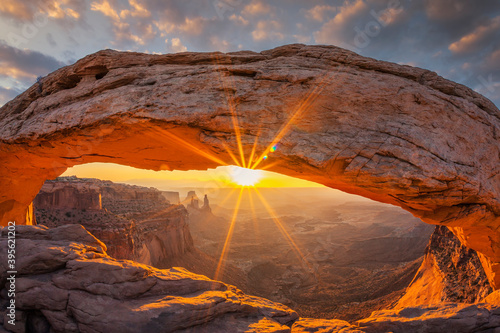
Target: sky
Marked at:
221, 177
458, 39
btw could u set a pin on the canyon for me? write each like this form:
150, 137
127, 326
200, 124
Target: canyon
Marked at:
393, 133
51, 299
136, 223
339, 243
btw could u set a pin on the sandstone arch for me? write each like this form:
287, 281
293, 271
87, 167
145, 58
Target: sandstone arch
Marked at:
393, 133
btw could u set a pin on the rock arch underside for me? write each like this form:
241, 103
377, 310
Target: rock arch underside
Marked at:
393, 133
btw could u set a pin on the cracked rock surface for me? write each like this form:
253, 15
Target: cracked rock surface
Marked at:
389, 132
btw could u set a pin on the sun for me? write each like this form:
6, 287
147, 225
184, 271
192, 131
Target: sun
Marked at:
244, 176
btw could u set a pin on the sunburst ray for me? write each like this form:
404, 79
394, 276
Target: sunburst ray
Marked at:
220, 266
228, 90
252, 209
302, 107
187, 145
282, 229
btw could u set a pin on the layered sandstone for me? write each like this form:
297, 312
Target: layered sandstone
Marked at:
67, 193
136, 223
393, 133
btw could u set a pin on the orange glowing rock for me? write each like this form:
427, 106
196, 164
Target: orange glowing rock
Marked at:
393, 133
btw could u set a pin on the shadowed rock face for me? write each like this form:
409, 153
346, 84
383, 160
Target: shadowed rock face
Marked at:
135, 222
393, 133
450, 272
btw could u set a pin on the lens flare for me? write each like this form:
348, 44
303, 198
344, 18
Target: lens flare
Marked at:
244, 176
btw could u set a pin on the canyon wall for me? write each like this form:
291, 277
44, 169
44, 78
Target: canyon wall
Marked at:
135, 222
172, 196
450, 272
68, 194
393, 133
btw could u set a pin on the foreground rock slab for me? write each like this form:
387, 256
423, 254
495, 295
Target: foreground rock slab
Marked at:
67, 282
446, 317
307, 325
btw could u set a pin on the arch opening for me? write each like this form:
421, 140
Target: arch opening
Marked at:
295, 242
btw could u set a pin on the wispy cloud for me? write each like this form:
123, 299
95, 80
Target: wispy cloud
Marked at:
20, 68
470, 42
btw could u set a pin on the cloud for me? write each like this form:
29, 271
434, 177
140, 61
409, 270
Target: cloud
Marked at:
26, 10
350, 10
492, 62
470, 42
193, 26
20, 68
268, 30
105, 7
14, 72
457, 11
16, 9
320, 12
256, 8
138, 16
444, 9
54, 10
138, 10
164, 26
7, 94
341, 27
25, 63
176, 45
238, 19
